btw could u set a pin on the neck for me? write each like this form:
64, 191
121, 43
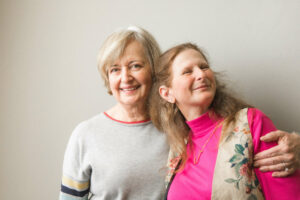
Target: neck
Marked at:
191, 113
128, 113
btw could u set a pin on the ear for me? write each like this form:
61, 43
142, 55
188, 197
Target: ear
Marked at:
166, 94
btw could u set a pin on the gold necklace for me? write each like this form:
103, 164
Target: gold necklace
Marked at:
196, 159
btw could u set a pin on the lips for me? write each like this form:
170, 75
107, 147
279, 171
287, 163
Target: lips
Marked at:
205, 86
131, 88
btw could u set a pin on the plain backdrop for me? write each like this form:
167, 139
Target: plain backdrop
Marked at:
49, 80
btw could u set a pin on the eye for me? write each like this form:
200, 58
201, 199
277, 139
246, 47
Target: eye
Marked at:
114, 69
136, 66
204, 67
186, 72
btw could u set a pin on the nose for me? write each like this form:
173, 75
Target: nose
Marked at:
199, 73
126, 75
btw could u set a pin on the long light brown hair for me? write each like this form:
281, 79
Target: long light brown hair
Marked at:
168, 118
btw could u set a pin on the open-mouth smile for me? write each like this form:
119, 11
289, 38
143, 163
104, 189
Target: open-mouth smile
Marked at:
128, 89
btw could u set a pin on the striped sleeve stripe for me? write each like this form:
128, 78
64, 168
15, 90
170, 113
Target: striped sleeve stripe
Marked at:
79, 186
73, 192
63, 196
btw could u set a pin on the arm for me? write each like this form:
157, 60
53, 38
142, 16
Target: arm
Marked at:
273, 188
76, 174
284, 158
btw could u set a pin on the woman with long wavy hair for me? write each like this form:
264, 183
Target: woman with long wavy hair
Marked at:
213, 135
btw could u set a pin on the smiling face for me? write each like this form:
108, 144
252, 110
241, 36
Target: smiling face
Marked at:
130, 76
193, 83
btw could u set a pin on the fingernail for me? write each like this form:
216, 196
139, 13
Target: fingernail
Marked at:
262, 169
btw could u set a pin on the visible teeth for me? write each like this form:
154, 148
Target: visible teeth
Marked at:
129, 89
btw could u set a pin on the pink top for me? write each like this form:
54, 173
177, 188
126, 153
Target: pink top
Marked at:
195, 181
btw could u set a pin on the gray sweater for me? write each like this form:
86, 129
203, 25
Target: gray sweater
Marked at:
114, 160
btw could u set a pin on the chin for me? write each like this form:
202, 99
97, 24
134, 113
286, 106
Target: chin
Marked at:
132, 102
206, 100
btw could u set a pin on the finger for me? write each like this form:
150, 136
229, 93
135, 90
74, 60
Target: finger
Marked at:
280, 167
274, 151
270, 161
273, 136
283, 173
283, 158
277, 167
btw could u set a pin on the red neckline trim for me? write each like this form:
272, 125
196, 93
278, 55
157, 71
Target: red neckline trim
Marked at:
137, 122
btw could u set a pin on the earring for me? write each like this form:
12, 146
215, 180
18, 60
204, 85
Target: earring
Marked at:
171, 99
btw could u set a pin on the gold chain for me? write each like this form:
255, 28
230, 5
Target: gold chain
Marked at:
196, 159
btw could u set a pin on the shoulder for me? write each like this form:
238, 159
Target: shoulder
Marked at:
252, 113
256, 113
260, 124
257, 117
88, 126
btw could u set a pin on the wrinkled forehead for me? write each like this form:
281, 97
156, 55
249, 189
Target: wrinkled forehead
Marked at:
189, 56
132, 49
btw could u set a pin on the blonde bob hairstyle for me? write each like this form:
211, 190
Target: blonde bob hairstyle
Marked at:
115, 45
168, 118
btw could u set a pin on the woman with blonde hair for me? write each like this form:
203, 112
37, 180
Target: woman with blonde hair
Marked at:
119, 154
213, 135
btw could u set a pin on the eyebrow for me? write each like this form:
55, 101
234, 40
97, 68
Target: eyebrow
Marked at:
136, 61
133, 61
188, 63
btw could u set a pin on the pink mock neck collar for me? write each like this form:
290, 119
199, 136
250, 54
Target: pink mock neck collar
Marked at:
200, 125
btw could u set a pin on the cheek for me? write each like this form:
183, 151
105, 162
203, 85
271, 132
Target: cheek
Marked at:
213, 80
112, 82
180, 87
146, 78
211, 77
214, 84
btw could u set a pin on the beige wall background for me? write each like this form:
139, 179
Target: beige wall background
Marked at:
49, 80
